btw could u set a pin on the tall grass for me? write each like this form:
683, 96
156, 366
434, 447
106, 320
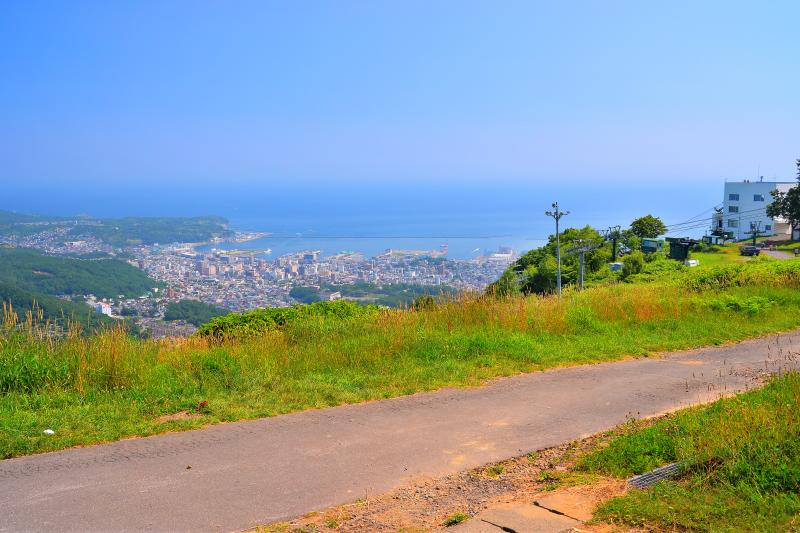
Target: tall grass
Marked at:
108, 385
742, 465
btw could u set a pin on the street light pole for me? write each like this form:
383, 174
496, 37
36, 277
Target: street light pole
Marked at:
556, 214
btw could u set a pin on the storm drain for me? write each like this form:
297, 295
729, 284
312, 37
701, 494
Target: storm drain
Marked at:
643, 481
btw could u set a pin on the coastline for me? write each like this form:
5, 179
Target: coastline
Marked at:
238, 238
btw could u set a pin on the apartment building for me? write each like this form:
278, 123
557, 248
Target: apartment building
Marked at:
744, 207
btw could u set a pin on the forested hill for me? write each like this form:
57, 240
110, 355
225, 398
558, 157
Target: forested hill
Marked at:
32, 271
119, 231
150, 230
53, 309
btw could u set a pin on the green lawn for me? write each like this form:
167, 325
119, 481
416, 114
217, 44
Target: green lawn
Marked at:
725, 256
742, 465
108, 386
789, 246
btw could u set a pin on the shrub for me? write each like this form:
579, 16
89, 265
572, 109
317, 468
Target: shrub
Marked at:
633, 263
426, 301
751, 305
452, 520
253, 323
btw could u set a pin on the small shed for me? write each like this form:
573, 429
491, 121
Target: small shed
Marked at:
679, 247
650, 246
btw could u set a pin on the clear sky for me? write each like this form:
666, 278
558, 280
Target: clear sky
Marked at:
200, 92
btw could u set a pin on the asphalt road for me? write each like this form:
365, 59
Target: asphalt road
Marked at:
778, 254
232, 476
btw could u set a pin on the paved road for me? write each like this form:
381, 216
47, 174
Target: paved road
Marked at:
253, 472
778, 254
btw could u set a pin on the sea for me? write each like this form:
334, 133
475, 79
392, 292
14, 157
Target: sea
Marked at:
471, 219
464, 236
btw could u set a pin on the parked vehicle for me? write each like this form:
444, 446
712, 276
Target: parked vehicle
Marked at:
749, 250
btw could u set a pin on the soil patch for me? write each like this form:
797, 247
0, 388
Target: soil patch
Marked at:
182, 415
425, 503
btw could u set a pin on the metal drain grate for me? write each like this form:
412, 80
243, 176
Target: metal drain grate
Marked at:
643, 481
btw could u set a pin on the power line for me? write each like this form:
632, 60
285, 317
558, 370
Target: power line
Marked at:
700, 224
705, 223
703, 220
694, 222
694, 218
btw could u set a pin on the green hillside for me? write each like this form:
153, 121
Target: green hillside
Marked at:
20, 224
119, 231
151, 230
53, 309
36, 272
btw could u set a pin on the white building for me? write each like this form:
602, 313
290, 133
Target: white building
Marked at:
104, 308
745, 206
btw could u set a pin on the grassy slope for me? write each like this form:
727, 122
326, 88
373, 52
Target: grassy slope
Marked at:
726, 255
743, 465
109, 386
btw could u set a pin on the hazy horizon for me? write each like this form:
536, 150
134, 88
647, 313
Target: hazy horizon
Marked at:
376, 200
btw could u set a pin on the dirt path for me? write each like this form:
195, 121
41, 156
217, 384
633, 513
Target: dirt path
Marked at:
234, 476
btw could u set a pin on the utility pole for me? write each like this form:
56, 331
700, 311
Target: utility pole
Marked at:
755, 230
582, 246
556, 214
613, 234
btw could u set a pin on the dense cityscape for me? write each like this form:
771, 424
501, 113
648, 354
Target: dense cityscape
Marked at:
239, 280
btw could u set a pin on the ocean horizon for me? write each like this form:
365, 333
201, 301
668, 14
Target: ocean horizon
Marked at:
470, 219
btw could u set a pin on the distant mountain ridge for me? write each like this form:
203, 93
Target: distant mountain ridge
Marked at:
119, 231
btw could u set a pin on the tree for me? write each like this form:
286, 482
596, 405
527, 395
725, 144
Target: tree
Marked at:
787, 205
631, 240
192, 311
424, 302
535, 271
648, 226
306, 295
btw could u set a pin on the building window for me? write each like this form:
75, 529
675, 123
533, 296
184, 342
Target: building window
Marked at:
758, 197
768, 227
733, 197
733, 209
733, 223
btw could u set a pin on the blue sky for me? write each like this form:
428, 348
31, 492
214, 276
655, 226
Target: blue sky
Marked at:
256, 93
